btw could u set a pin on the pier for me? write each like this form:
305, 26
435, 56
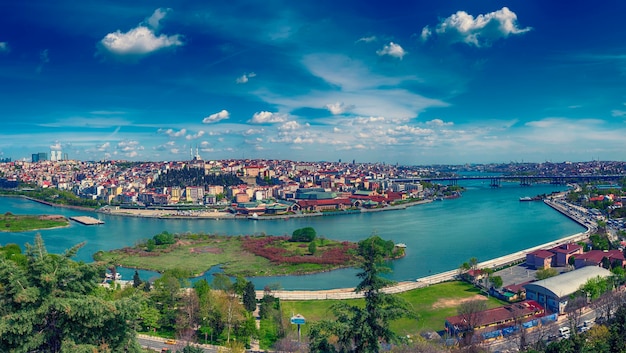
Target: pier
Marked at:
86, 220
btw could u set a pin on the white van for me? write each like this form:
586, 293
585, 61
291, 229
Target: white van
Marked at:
564, 331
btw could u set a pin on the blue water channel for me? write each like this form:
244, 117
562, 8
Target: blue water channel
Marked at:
484, 223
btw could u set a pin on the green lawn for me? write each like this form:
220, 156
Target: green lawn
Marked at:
431, 304
22, 223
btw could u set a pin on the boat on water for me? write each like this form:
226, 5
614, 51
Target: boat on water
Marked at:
528, 198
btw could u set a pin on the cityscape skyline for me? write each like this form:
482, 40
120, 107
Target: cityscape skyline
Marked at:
413, 83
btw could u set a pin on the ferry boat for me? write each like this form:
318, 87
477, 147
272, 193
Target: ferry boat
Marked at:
526, 198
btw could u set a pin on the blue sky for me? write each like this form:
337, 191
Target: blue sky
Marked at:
409, 82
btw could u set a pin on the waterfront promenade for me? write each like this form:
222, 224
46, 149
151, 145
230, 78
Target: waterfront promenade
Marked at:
510, 259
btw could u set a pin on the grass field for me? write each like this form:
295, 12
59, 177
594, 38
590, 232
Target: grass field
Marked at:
196, 254
431, 304
22, 223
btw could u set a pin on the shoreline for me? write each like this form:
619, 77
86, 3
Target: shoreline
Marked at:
219, 215
399, 287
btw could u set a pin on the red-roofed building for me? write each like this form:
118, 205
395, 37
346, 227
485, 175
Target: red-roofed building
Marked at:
540, 259
501, 317
564, 251
327, 204
594, 258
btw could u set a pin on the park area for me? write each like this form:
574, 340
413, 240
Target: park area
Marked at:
431, 305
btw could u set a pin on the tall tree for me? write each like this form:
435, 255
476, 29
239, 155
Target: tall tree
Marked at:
361, 329
136, 280
249, 297
48, 305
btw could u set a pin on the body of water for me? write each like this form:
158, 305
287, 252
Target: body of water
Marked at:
484, 223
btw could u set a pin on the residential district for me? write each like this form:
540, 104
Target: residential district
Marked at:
258, 188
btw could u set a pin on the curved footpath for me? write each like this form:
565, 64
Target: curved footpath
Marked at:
348, 293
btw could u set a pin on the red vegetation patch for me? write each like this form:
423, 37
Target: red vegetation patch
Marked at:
266, 247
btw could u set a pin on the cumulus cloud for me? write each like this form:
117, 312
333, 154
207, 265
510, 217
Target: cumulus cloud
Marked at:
438, 122
56, 146
172, 132
265, 117
392, 49
426, 33
103, 147
338, 108
4, 47
158, 14
129, 146
289, 126
249, 132
195, 136
141, 40
213, 118
245, 77
478, 31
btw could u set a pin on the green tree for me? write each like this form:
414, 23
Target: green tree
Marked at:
249, 297
48, 305
304, 235
312, 248
361, 329
545, 273
496, 281
136, 280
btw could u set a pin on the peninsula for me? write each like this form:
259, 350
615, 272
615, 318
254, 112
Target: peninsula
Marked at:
248, 256
23, 223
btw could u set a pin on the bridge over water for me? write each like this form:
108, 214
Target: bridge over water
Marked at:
525, 180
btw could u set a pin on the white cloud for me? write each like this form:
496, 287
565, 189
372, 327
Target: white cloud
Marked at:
289, 126
172, 132
138, 41
265, 117
245, 77
392, 49
129, 147
438, 122
213, 118
366, 39
426, 33
103, 147
4, 47
141, 40
195, 136
338, 108
479, 31
249, 132
158, 14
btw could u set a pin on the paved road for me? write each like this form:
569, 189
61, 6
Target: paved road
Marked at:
157, 344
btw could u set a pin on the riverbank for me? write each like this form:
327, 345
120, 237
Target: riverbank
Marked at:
217, 215
502, 261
